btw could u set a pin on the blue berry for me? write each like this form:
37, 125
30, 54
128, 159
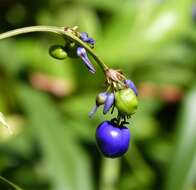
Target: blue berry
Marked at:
112, 140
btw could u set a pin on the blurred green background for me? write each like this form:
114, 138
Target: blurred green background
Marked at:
47, 101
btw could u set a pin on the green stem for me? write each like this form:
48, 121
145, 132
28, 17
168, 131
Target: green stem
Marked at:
110, 171
10, 183
59, 31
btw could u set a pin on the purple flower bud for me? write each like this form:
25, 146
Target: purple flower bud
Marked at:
81, 52
108, 102
131, 85
84, 37
93, 111
194, 12
101, 98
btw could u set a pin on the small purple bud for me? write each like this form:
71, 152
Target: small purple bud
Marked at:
101, 98
108, 102
84, 37
93, 111
91, 41
131, 85
194, 12
81, 52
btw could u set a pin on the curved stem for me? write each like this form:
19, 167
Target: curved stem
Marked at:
59, 31
30, 29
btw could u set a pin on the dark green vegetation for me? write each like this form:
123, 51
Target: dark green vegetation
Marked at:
47, 101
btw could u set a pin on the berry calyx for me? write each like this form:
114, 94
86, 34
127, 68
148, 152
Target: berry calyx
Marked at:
112, 140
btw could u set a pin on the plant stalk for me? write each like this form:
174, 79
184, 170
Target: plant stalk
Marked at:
110, 171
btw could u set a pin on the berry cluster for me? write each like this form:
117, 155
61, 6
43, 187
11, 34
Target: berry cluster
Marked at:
112, 136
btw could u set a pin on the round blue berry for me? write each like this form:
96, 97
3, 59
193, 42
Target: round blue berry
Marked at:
112, 140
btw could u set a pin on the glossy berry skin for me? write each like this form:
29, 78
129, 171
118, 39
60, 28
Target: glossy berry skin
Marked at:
126, 101
112, 140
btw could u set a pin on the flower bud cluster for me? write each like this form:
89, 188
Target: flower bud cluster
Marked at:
113, 137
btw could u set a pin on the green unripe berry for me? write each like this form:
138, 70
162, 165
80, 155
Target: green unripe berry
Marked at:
126, 101
58, 52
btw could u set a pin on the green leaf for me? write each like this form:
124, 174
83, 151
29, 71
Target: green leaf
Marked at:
185, 154
63, 158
